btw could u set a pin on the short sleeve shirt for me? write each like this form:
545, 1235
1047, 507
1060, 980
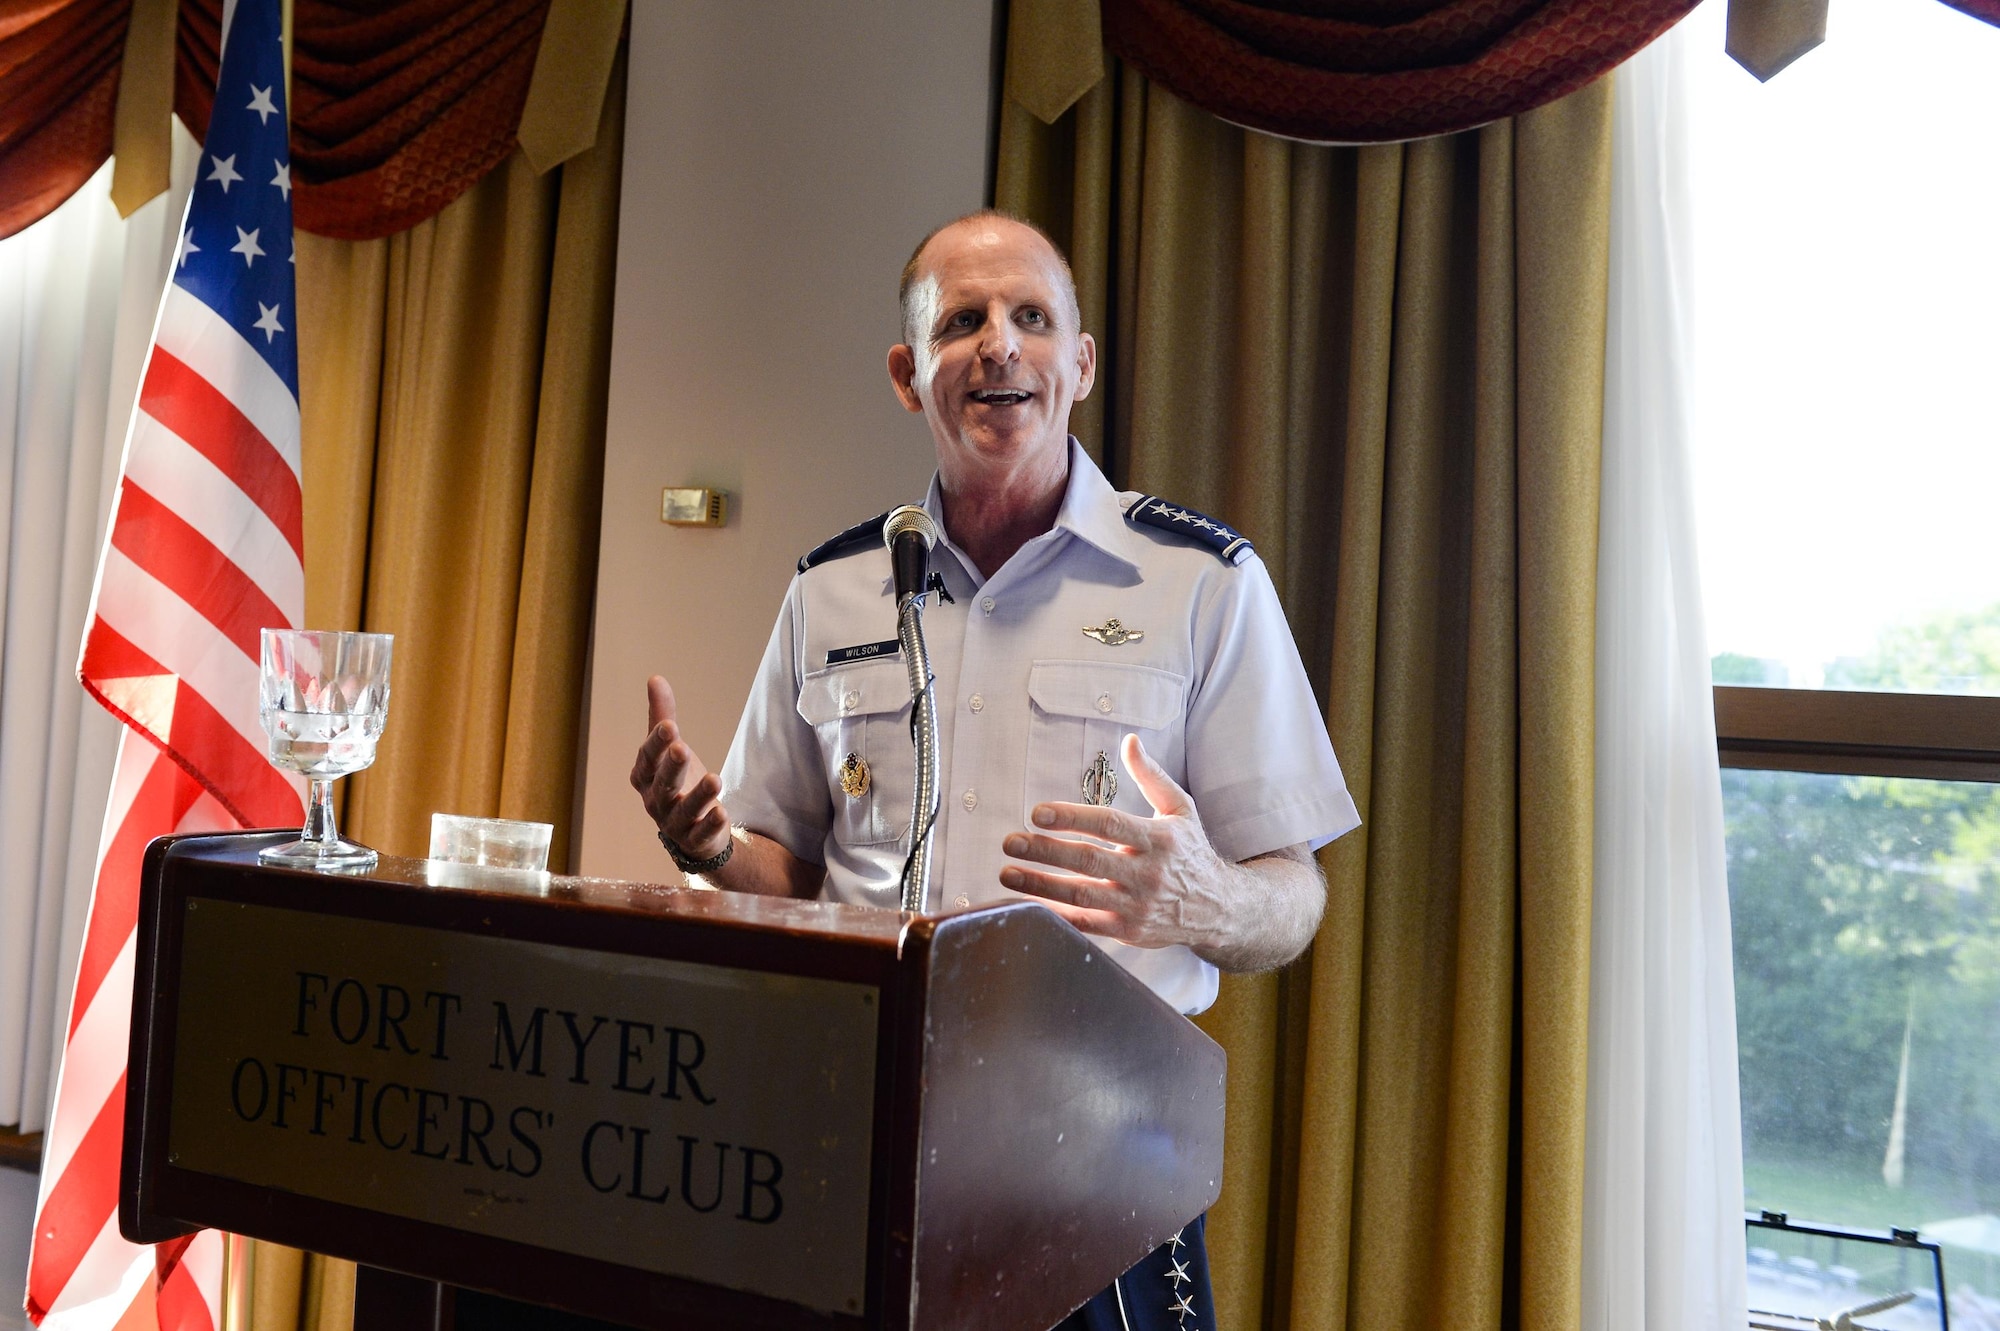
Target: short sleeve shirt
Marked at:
1205, 673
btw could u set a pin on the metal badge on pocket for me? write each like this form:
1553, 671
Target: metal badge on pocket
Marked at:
1113, 634
1100, 781
854, 776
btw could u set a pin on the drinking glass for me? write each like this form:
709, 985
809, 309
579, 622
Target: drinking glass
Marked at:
494, 843
324, 699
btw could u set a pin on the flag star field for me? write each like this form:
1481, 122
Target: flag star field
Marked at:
236, 250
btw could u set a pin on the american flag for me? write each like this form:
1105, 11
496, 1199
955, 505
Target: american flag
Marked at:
206, 547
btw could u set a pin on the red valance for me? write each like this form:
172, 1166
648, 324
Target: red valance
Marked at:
1989, 10
398, 106
58, 85
1365, 71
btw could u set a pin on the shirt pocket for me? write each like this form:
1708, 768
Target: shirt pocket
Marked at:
1084, 708
864, 711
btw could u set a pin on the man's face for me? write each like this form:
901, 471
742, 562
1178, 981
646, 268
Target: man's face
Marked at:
998, 358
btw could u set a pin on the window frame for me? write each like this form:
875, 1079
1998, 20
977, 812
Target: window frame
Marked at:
1934, 736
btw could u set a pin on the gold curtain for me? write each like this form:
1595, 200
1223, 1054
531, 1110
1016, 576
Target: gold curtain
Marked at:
452, 380
1385, 365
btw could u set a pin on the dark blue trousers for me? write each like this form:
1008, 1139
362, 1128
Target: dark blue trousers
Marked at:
1167, 1291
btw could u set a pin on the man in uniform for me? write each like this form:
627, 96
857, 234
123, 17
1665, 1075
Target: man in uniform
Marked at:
1108, 666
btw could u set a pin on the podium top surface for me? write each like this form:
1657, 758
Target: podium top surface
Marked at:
562, 893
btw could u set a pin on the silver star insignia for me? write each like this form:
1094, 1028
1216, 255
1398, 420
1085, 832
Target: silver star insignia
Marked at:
1180, 1307
1176, 1242
1182, 515
1178, 1271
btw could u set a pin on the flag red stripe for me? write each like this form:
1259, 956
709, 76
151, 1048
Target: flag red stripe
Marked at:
178, 397
238, 774
158, 540
216, 754
114, 909
167, 1256
79, 1204
181, 1306
109, 654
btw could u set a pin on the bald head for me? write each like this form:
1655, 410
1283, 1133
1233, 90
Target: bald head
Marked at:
991, 218
994, 355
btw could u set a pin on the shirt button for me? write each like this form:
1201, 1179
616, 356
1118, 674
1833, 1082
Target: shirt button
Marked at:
978, 703
987, 605
1103, 702
962, 901
849, 700
971, 800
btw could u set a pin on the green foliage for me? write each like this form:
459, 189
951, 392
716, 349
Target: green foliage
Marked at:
1949, 653
1857, 903
1854, 906
1736, 668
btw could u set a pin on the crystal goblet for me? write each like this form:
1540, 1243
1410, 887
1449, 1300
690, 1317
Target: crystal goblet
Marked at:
324, 697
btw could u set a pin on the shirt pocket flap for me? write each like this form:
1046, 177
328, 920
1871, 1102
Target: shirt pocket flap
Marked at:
1141, 697
855, 690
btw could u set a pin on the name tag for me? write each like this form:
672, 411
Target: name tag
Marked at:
863, 652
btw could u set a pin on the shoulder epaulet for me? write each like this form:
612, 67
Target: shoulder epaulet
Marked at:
1230, 545
854, 538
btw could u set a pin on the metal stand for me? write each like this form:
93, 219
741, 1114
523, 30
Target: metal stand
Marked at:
924, 733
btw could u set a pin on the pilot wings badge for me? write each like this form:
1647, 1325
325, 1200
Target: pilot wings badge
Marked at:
1112, 634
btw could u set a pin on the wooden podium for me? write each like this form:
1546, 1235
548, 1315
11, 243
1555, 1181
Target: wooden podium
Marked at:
524, 1101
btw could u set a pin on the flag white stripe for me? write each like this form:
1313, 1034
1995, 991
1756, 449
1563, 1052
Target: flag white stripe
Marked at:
202, 495
199, 336
104, 1284
92, 1064
97, 1054
135, 761
156, 620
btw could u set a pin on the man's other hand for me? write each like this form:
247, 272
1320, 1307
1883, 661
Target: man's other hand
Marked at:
683, 797
1157, 881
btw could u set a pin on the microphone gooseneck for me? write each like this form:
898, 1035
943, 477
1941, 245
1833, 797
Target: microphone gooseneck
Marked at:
910, 533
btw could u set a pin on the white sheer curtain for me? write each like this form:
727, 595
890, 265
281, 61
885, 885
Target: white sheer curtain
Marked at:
1663, 1218
78, 294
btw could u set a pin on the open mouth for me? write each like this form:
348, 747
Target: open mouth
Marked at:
999, 397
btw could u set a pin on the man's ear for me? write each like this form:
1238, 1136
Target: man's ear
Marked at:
1086, 365
903, 376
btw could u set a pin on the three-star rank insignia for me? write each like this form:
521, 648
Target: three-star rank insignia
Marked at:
1230, 545
1182, 1306
1112, 634
854, 776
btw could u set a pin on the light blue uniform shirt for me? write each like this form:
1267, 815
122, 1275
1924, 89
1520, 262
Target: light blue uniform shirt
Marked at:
1026, 701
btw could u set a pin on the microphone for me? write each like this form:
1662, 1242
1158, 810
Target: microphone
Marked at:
909, 533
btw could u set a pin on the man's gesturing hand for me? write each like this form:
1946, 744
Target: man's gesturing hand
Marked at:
683, 796
1160, 882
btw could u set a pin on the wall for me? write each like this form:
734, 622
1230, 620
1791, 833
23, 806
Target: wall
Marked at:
780, 160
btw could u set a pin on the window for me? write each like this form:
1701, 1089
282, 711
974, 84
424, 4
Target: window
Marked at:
1847, 436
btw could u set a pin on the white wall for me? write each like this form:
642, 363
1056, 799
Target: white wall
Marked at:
781, 158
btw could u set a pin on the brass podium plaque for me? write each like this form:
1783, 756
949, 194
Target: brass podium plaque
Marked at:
699, 1121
